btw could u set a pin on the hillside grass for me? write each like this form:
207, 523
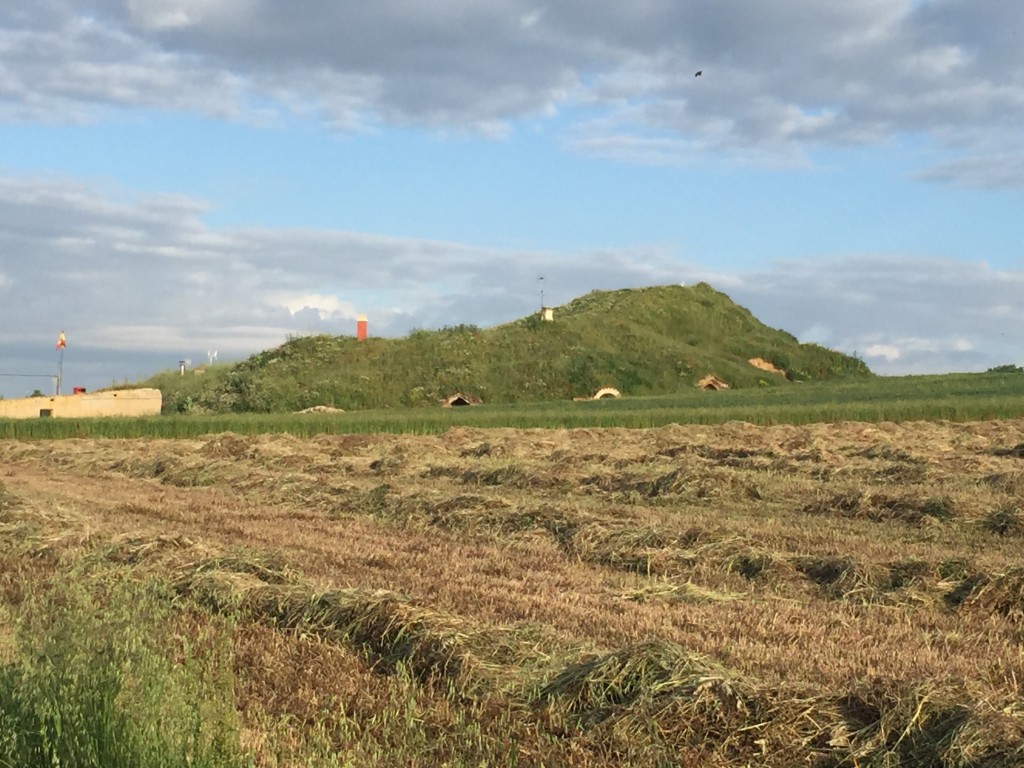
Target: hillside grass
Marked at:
950, 397
650, 341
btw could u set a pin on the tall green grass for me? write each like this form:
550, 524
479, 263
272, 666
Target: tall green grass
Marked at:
952, 397
90, 684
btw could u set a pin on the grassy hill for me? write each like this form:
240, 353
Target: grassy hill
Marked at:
647, 341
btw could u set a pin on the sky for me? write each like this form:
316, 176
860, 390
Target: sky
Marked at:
203, 179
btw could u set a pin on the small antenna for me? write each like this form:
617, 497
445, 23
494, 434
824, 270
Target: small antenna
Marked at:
540, 281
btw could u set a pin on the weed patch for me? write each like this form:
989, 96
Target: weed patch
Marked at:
91, 684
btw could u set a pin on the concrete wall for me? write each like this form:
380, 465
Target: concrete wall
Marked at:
121, 402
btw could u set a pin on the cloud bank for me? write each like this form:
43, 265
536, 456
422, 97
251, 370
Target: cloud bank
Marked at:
781, 80
141, 282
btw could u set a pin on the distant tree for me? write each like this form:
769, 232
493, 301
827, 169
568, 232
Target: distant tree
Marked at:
1008, 368
37, 393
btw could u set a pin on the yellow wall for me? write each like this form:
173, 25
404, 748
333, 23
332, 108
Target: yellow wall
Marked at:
121, 402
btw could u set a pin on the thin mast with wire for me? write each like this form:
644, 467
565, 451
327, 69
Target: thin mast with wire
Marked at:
62, 344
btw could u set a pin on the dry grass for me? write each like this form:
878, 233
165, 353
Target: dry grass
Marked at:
832, 595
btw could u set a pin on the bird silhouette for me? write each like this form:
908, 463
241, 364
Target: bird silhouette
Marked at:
699, 73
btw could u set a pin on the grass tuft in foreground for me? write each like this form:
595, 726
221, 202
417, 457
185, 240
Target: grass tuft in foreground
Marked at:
89, 683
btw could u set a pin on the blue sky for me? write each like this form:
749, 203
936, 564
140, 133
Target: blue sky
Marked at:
184, 176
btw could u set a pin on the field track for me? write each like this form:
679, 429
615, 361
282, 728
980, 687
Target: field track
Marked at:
843, 594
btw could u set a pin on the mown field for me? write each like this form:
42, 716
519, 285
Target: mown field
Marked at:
846, 594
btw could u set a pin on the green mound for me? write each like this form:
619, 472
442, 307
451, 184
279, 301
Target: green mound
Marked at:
649, 341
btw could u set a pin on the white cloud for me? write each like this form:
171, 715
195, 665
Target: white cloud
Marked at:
175, 288
531, 18
177, 14
69, 66
144, 274
326, 307
177, 340
780, 80
999, 168
888, 351
937, 61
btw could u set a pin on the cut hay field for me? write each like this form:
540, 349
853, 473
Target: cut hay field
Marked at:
822, 595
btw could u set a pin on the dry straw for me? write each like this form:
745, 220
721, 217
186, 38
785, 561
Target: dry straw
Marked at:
386, 628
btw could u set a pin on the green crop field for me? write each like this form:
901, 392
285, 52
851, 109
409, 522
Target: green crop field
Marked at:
951, 397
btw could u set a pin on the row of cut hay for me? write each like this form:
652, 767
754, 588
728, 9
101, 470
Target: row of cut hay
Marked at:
466, 512
674, 482
655, 552
595, 689
879, 507
1004, 521
669, 487
474, 514
656, 691
264, 463
666, 590
178, 464
646, 550
841, 577
170, 469
385, 628
229, 445
183, 553
512, 475
20, 546
1010, 483
11, 528
135, 549
650, 672
1001, 594
901, 723
8, 501
504, 474
43, 534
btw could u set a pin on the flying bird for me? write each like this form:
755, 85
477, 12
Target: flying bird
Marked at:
699, 73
